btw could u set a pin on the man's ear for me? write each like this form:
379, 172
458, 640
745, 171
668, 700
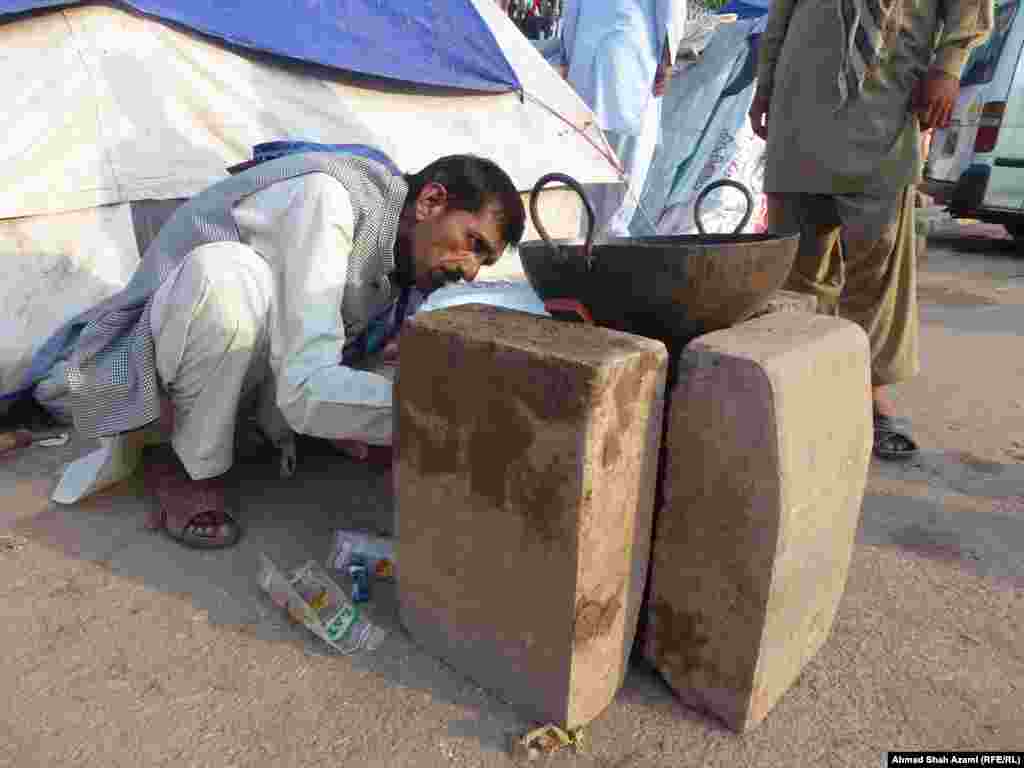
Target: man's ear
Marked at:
431, 202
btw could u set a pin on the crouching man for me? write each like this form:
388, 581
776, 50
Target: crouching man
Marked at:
275, 284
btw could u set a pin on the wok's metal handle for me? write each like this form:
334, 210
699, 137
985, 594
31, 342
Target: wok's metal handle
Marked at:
570, 182
717, 185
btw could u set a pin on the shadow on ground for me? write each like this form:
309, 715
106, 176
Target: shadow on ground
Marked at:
292, 520
986, 538
983, 242
1005, 319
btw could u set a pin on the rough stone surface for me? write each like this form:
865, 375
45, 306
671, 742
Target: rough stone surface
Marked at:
524, 488
768, 445
788, 301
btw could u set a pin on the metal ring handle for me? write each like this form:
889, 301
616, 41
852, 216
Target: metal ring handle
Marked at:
716, 185
570, 182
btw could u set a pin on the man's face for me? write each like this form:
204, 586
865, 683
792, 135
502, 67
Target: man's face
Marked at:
449, 245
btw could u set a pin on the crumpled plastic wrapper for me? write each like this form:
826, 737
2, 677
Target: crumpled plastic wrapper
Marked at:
312, 598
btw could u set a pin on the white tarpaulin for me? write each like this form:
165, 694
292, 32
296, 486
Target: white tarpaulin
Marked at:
706, 136
53, 267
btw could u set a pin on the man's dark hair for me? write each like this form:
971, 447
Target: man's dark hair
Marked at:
472, 183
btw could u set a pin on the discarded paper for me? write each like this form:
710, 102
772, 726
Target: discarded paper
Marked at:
546, 740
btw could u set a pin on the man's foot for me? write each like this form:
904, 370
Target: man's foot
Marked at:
193, 512
892, 438
892, 434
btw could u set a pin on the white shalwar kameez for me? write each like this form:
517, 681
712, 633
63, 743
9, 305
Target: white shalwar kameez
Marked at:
258, 318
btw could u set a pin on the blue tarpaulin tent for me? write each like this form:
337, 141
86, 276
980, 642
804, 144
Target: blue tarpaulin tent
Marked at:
746, 9
439, 42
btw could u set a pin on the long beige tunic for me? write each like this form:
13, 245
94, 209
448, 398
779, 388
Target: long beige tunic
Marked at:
872, 145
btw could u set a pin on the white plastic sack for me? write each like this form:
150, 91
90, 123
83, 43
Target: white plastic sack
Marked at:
737, 156
707, 137
686, 110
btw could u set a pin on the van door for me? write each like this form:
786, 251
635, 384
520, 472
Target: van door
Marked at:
1006, 184
953, 149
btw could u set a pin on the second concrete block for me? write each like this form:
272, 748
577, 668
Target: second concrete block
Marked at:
767, 449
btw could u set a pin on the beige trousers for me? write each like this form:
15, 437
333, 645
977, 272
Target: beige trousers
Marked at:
856, 255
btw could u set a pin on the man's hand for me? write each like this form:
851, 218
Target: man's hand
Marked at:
662, 75
935, 98
354, 449
759, 116
661, 78
389, 352
378, 455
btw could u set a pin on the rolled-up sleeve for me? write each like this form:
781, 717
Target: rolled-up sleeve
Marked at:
966, 24
313, 236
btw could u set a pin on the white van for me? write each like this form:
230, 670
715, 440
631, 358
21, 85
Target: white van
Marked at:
976, 165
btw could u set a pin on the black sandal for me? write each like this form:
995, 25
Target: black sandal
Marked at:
892, 438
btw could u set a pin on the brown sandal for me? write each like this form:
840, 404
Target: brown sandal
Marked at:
193, 512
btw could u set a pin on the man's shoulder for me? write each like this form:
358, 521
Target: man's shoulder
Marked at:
370, 184
358, 175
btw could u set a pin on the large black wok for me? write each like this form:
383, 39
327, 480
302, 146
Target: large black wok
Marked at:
671, 288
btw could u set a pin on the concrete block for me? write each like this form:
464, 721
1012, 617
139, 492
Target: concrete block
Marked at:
768, 441
788, 301
526, 465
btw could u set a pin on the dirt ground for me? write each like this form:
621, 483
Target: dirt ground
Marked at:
122, 649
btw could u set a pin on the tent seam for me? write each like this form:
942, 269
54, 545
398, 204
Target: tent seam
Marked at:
99, 121
611, 160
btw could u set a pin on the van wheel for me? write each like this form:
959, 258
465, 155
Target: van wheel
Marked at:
1016, 230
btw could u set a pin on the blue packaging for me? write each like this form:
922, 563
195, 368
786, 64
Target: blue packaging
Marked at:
360, 582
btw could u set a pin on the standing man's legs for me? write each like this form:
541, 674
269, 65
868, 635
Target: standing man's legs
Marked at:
210, 329
818, 268
868, 277
880, 292
881, 296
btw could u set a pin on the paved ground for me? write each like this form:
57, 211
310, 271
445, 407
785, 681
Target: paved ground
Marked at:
122, 649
